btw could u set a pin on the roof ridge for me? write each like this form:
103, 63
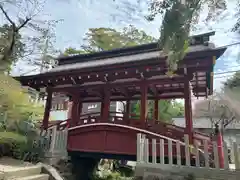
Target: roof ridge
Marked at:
125, 50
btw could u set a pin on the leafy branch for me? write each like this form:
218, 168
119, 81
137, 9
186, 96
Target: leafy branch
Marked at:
14, 46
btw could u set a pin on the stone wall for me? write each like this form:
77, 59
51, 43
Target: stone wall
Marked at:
169, 172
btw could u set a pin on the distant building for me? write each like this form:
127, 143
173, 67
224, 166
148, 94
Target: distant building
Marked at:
204, 125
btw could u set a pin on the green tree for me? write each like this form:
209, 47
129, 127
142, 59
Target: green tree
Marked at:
45, 48
15, 105
167, 110
178, 18
233, 82
231, 89
236, 27
99, 39
18, 50
14, 45
73, 51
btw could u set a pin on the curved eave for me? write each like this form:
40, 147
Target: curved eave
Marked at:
210, 75
209, 53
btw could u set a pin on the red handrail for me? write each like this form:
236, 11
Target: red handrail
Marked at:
175, 130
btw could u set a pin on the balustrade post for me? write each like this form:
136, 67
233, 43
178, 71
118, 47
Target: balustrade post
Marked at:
187, 151
216, 155
139, 145
206, 153
146, 150
236, 156
53, 139
225, 152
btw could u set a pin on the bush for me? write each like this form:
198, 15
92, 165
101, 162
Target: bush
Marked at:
22, 147
12, 144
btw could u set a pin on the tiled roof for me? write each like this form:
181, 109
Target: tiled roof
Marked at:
141, 56
126, 51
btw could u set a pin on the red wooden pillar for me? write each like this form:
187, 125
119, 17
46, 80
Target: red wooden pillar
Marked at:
156, 109
220, 144
102, 107
48, 106
188, 109
69, 108
144, 104
75, 109
127, 109
220, 149
126, 117
80, 104
105, 106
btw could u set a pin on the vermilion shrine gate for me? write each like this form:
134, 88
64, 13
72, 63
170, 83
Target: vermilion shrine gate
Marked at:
126, 74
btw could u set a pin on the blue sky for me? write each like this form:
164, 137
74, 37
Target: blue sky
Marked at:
81, 15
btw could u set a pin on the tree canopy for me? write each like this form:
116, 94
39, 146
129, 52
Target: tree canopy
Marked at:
167, 110
231, 90
99, 39
233, 82
35, 48
14, 103
179, 17
18, 50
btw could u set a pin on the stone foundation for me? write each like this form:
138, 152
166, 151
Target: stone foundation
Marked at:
169, 172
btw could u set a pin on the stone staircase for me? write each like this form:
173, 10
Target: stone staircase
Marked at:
24, 173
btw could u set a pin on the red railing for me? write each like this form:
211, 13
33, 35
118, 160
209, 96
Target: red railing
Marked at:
159, 127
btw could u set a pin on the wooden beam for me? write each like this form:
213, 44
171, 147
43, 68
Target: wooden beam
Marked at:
93, 76
124, 91
150, 81
128, 95
135, 98
96, 92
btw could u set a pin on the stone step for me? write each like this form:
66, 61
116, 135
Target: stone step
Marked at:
22, 172
34, 177
1, 175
